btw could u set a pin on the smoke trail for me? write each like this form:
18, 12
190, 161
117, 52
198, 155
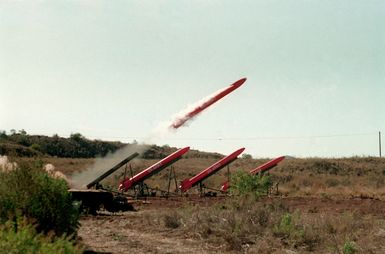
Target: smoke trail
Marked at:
193, 110
182, 118
79, 180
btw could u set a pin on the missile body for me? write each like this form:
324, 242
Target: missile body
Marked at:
154, 169
179, 122
189, 183
266, 166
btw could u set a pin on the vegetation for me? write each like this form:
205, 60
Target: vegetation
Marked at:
44, 201
244, 225
20, 144
20, 237
76, 146
243, 183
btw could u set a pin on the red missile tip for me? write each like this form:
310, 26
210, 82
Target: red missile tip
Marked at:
238, 83
239, 151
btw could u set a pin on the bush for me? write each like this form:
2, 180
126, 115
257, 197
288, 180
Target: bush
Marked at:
36, 147
29, 191
243, 183
292, 232
172, 220
287, 228
20, 237
349, 248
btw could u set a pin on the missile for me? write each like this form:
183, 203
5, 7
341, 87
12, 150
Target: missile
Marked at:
154, 169
217, 96
266, 166
189, 183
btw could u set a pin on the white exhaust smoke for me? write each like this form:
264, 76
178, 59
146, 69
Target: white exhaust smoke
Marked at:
79, 180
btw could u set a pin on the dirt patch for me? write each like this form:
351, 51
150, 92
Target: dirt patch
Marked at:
123, 233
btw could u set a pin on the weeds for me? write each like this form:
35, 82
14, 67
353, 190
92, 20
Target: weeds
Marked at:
287, 228
247, 184
20, 237
29, 191
245, 225
172, 220
349, 248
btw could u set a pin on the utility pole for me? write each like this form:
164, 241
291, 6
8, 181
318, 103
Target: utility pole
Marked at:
379, 142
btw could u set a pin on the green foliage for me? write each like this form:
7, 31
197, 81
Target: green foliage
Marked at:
77, 146
243, 183
45, 201
349, 248
36, 147
3, 135
20, 237
292, 231
247, 156
286, 227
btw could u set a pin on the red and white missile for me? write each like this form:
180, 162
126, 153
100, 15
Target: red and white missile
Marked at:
189, 183
266, 166
178, 122
148, 172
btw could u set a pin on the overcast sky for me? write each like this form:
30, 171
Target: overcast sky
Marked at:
113, 70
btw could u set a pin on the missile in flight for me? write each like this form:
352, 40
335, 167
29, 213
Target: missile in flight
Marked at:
178, 122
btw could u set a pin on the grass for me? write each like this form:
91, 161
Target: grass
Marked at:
245, 225
21, 237
342, 178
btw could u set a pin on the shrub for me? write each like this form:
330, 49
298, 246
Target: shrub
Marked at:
172, 220
45, 201
35, 147
20, 237
349, 248
243, 183
286, 228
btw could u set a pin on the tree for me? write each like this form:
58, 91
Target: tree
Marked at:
246, 156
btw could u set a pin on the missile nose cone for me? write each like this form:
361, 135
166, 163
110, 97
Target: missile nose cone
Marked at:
239, 151
238, 83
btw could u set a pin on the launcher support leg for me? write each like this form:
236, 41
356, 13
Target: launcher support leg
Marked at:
201, 190
228, 173
170, 174
175, 181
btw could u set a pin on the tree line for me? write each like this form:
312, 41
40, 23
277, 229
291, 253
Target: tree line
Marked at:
76, 146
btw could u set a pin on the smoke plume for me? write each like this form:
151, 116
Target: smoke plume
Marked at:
79, 180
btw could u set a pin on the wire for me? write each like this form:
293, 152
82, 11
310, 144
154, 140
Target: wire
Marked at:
252, 138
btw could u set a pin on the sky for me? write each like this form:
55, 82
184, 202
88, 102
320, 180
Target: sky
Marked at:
114, 70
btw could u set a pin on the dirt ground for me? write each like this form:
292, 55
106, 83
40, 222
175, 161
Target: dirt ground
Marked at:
126, 232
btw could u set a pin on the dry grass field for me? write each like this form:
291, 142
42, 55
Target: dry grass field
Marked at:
322, 206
